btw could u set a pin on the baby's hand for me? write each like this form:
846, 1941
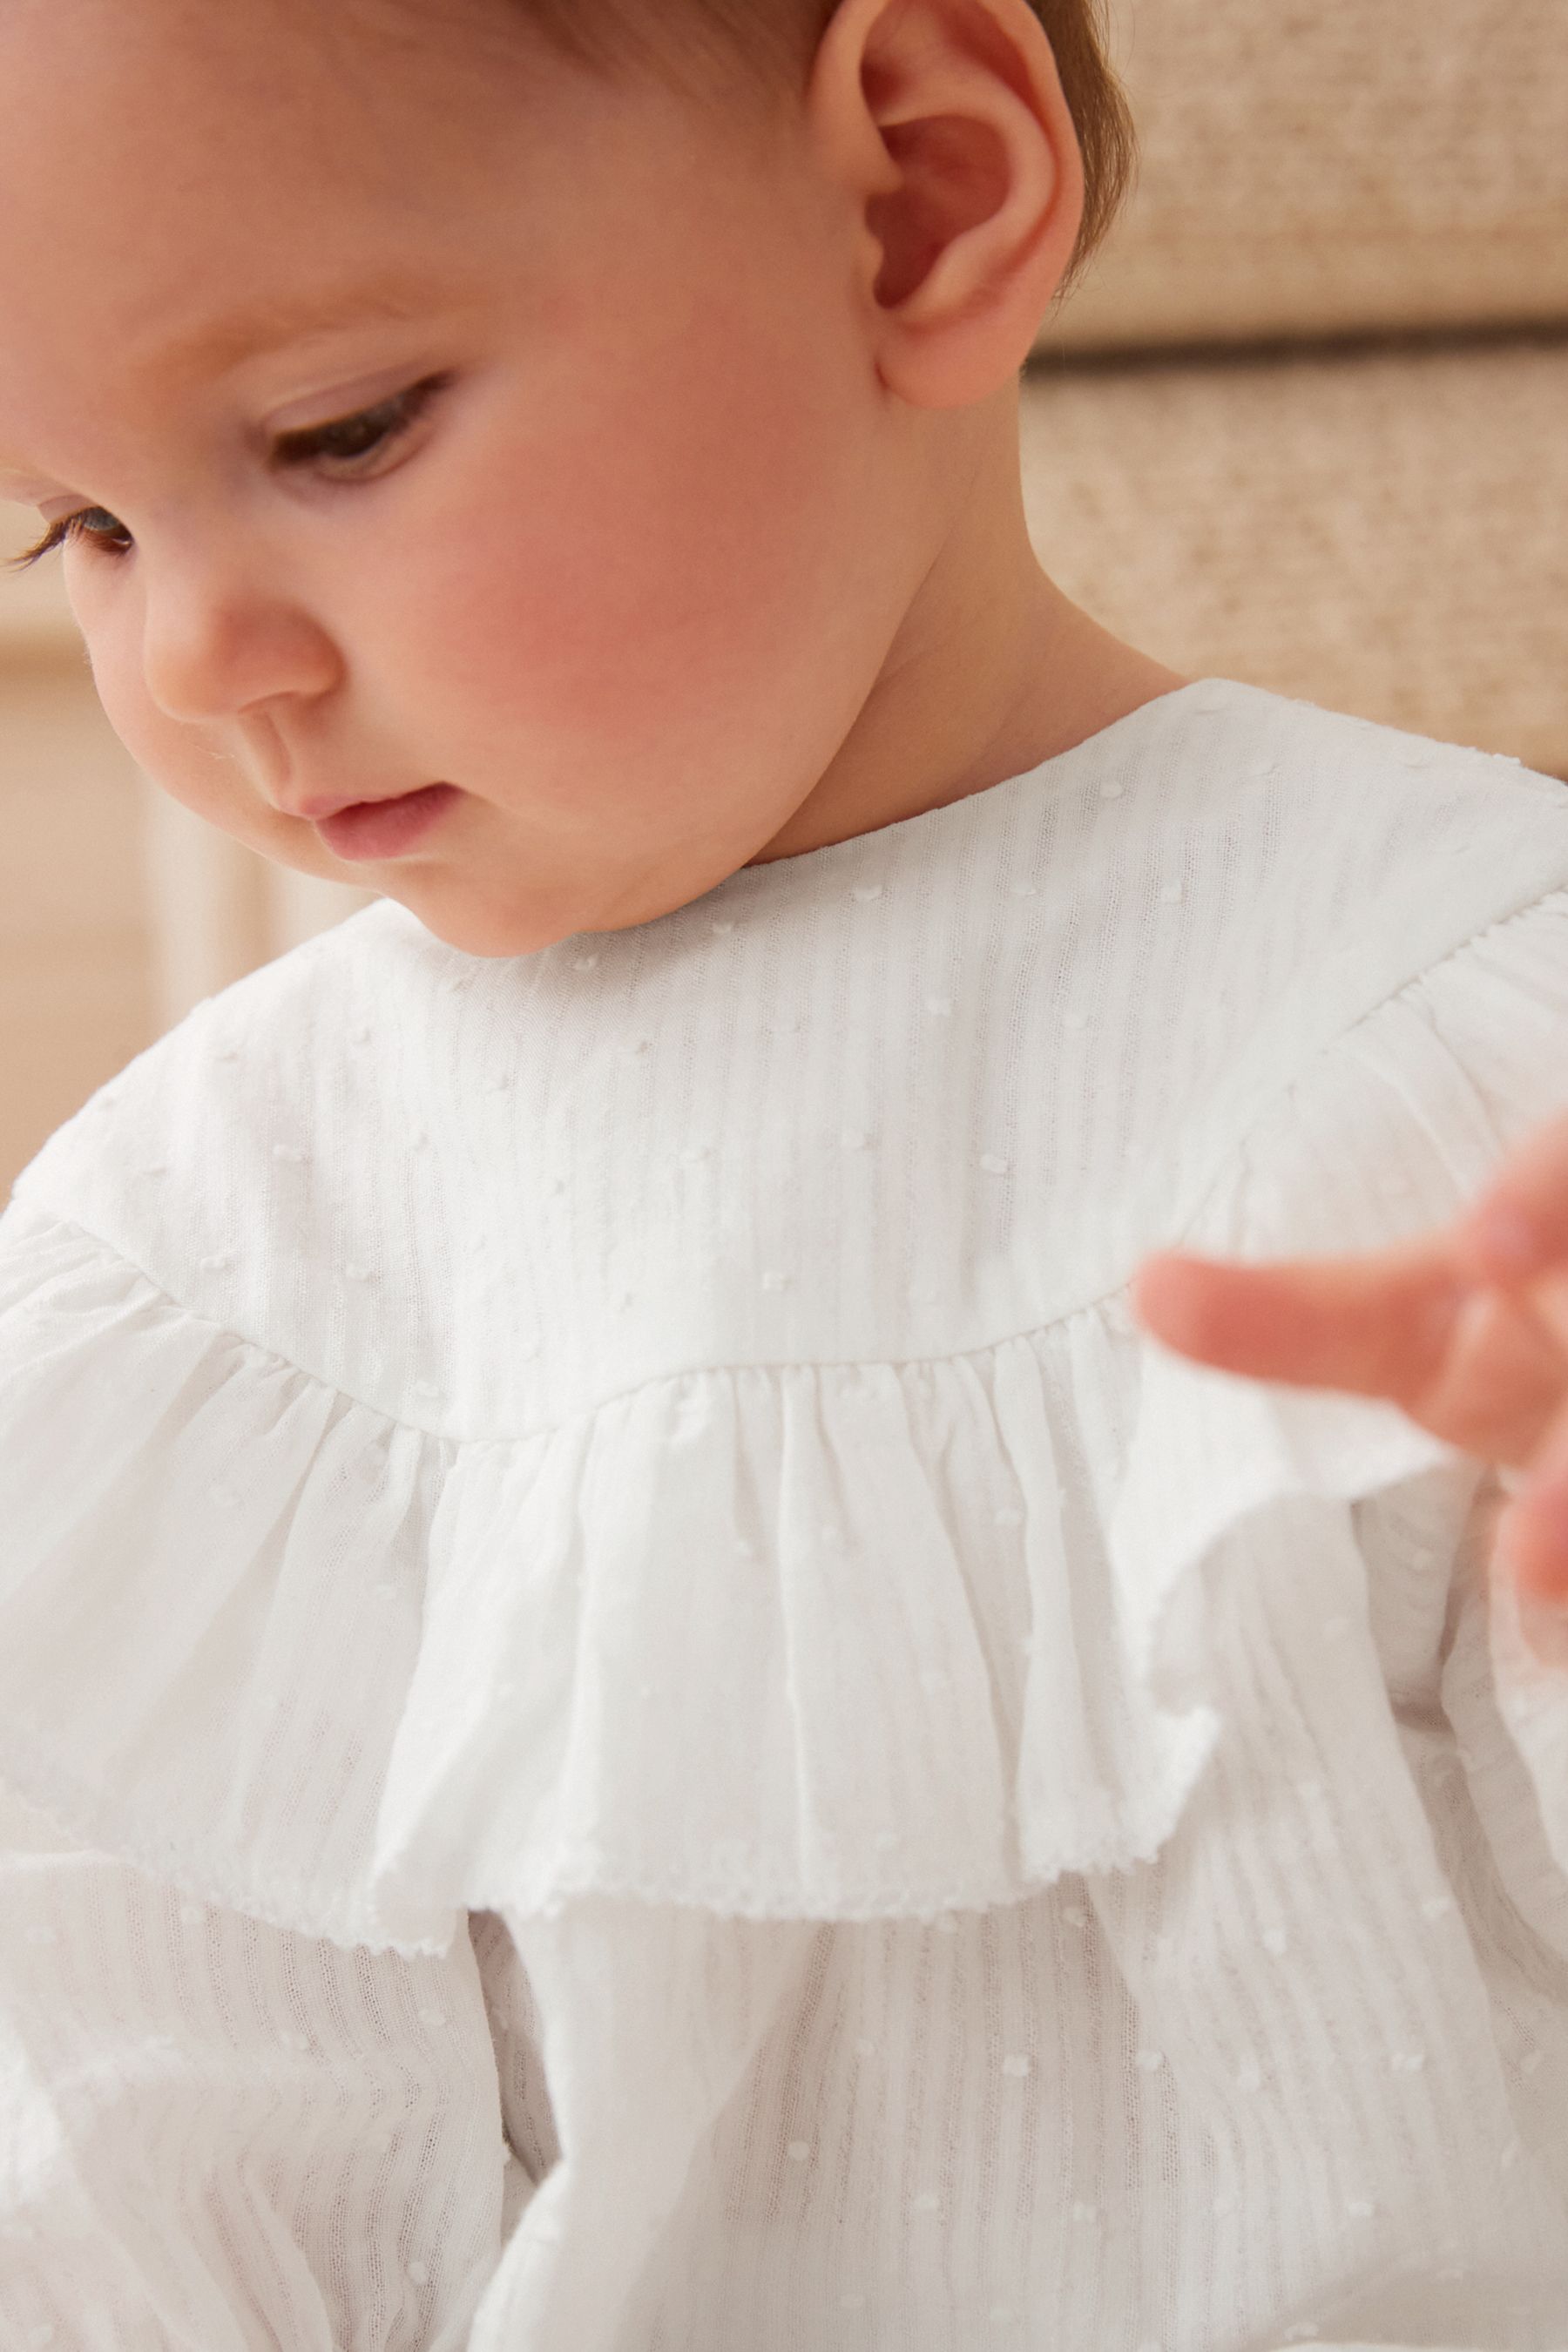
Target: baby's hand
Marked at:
1465, 1330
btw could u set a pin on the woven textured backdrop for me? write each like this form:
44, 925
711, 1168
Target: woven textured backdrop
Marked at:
1313, 167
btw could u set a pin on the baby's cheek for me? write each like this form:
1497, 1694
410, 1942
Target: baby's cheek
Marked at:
186, 762
663, 552
178, 756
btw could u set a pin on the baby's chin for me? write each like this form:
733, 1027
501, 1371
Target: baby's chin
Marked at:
482, 890
483, 918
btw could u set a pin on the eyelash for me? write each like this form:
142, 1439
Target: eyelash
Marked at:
404, 409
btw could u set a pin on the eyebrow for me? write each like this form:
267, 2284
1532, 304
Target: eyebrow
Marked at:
221, 343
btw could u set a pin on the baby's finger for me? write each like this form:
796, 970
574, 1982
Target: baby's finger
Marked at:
1520, 1225
1375, 1326
1533, 1535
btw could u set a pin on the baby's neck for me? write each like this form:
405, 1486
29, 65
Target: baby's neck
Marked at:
992, 670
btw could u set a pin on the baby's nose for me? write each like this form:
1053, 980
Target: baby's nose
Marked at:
215, 643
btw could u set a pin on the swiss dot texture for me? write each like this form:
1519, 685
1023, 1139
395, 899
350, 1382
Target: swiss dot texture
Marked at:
659, 1722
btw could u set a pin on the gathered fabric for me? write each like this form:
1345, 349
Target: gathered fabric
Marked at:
632, 1712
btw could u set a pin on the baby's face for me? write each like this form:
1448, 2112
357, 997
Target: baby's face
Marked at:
613, 534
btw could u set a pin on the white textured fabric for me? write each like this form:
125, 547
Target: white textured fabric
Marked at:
639, 1720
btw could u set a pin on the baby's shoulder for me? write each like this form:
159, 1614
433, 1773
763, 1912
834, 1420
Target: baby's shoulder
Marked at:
1336, 860
1348, 897
1336, 820
237, 1162
1385, 954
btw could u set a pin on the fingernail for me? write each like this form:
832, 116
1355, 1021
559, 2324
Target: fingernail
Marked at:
1510, 1241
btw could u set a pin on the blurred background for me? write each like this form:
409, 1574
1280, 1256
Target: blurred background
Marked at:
1305, 424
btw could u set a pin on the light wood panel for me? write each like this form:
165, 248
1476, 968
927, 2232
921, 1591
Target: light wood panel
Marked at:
76, 994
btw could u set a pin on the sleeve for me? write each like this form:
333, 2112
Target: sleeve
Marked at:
1474, 1059
219, 2135
1391, 1132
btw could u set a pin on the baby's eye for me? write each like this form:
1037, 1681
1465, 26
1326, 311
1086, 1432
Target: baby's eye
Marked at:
349, 438
100, 533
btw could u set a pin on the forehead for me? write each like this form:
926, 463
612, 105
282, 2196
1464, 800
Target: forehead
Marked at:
179, 177
173, 140
245, 72
181, 182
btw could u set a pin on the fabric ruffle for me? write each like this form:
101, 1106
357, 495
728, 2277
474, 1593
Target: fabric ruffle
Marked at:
820, 1641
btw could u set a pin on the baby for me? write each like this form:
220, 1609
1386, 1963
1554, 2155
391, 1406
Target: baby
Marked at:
637, 1713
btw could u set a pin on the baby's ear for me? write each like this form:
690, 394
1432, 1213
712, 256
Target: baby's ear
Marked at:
946, 120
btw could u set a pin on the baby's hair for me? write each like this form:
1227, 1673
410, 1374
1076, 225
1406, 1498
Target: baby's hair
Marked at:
778, 37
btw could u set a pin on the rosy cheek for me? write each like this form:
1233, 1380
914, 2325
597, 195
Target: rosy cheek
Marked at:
650, 546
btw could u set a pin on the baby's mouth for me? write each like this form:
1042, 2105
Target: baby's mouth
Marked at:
367, 829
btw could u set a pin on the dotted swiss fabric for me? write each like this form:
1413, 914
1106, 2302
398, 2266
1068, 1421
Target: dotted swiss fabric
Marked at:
634, 1716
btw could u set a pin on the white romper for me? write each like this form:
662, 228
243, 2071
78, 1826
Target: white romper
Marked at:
635, 1718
